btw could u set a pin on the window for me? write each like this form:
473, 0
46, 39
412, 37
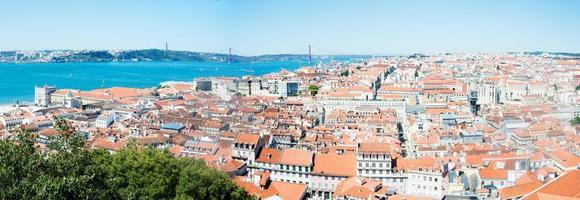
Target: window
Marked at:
435, 179
374, 165
430, 179
366, 164
435, 188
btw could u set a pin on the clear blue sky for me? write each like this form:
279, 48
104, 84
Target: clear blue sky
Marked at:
272, 26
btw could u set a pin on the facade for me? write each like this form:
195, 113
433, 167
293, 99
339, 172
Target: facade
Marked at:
245, 87
374, 161
42, 95
246, 147
203, 85
486, 94
289, 88
427, 182
106, 119
352, 105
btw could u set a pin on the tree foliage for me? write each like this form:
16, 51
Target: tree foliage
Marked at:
73, 172
313, 89
575, 121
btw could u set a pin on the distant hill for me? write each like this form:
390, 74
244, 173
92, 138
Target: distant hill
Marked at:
559, 54
141, 55
162, 55
157, 55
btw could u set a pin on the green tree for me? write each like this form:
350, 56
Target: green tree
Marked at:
142, 173
313, 89
73, 172
198, 182
68, 175
575, 121
19, 161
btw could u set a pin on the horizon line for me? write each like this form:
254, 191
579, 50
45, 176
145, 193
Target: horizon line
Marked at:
270, 54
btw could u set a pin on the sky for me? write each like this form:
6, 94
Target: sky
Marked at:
275, 26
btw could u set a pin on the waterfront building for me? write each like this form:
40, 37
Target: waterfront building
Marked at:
42, 95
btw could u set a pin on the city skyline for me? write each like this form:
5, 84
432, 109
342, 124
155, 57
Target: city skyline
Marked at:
255, 28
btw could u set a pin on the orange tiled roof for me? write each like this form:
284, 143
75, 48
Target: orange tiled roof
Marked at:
325, 164
563, 187
565, 158
378, 148
489, 173
518, 190
296, 157
245, 138
289, 191
269, 155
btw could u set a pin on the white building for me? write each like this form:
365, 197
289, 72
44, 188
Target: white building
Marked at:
42, 95
425, 182
246, 147
106, 119
353, 105
486, 94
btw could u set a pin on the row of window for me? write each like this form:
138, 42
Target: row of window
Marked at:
285, 167
425, 178
369, 172
375, 156
424, 187
374, 165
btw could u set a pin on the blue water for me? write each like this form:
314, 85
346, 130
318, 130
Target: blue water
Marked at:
17, 80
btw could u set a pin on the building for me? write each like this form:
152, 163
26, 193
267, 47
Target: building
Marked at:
106, 119
374, 161
203, 84
245, 87
42, 95
563, 187
224, 88
172, 127
471, 137
327, 174
246, 147
360, 189
289, 88
486, 94
424, 177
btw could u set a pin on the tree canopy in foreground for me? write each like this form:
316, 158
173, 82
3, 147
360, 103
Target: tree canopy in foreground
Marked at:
72, 172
